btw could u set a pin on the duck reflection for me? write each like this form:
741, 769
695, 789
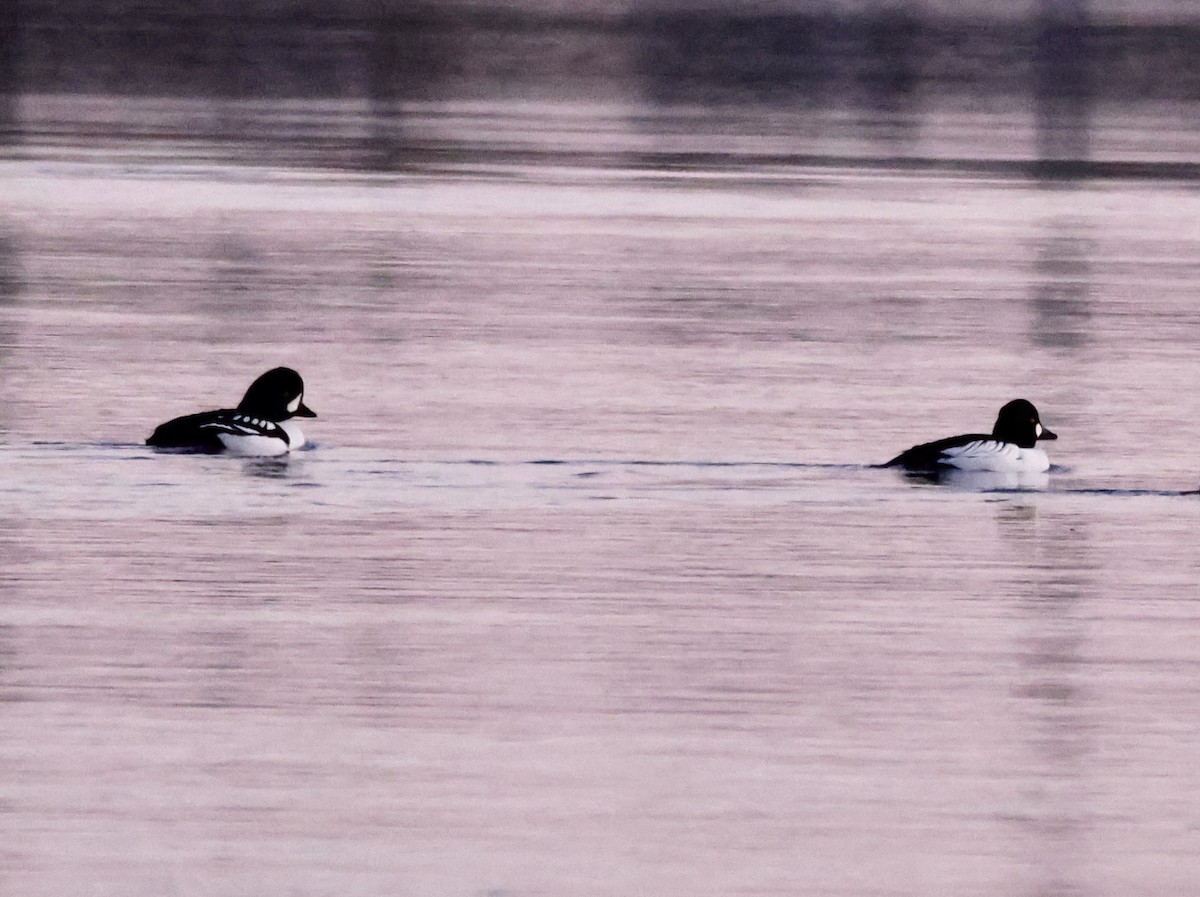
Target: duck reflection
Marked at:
982, 480
267, 468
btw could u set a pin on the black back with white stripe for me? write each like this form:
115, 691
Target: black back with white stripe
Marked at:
202, 432
275, 396
1017, 424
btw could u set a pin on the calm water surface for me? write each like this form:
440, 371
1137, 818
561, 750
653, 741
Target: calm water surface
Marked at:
587, 585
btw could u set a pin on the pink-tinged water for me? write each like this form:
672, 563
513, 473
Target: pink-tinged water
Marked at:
710, 651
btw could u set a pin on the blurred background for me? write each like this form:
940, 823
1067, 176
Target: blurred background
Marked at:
351, 84
587, 586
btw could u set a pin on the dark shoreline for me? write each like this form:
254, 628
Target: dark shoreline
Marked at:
388, 51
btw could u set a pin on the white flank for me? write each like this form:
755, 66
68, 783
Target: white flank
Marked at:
1003, 457
252, 445
295, 435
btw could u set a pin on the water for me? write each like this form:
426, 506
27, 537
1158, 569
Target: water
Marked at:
587, 585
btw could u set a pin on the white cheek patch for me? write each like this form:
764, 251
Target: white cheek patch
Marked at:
1037, 429
293, 405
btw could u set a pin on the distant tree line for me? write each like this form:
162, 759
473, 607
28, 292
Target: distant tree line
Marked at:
387, 49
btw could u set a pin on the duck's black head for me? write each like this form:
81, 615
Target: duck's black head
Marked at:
1018, 423
276, 395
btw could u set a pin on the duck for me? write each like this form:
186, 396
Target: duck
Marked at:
1011, 447
261, 425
